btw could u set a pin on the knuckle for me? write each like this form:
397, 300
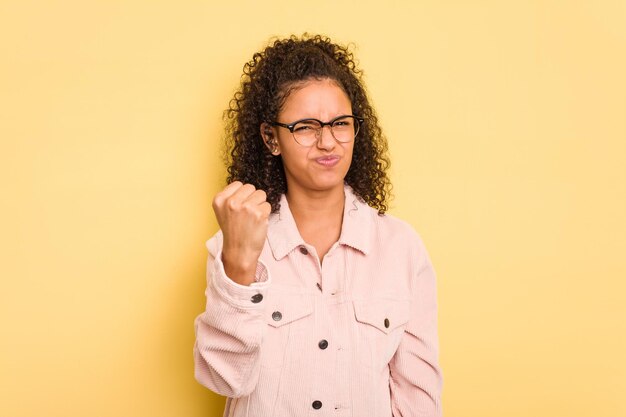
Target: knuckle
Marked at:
232, 188
247, 207
217, 201
248, 188
233, 204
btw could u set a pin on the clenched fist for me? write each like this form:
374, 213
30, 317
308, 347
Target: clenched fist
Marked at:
242, 212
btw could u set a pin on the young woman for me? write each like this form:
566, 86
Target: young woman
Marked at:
318, 303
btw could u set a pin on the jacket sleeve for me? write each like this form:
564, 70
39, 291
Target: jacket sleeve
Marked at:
416, 379
230, 330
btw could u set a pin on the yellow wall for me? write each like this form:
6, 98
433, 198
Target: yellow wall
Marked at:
507, 124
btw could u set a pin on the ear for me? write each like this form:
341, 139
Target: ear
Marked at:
269, 138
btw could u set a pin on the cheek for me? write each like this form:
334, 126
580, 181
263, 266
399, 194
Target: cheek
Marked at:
349, 151
293, 157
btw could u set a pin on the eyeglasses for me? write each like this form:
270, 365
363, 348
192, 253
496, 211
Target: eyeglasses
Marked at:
308, 131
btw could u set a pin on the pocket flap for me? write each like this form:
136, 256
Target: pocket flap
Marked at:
286, 308
384, 314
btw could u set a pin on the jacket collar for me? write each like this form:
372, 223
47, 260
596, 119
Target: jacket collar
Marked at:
283, 234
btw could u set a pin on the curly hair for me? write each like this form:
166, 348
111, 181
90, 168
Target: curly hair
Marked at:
267, 80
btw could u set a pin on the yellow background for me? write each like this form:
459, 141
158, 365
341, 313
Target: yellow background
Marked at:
507, 128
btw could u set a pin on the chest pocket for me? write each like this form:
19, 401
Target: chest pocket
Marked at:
379, 325
287, 321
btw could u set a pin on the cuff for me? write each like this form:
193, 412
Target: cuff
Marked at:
245, 296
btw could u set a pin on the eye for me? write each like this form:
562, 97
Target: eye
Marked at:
345, 122
306, 126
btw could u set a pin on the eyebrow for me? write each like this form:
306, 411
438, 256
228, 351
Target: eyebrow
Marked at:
331, 118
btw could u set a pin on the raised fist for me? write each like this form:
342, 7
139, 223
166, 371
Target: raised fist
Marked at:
242, 212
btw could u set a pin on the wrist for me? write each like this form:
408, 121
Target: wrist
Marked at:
240, 271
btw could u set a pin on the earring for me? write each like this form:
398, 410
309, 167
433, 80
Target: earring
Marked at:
272, 143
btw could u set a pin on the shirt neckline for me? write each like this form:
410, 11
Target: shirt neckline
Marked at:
284, 237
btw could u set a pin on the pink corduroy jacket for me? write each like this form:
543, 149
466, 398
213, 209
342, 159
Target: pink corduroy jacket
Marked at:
354, 336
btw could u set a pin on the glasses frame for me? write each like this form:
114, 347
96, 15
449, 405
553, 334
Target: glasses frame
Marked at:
291, 126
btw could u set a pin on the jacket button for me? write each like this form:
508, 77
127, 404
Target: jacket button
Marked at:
303, 250
323, 344
277, 315
317, 404
386, 323
256, 298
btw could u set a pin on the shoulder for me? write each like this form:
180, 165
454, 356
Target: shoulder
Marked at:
395, 228
383, 226
389, 231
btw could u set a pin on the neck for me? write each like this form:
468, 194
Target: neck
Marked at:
313, 206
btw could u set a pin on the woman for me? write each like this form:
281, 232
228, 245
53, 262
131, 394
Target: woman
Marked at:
317, 302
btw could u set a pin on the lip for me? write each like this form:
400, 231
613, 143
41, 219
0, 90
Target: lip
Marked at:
328, 161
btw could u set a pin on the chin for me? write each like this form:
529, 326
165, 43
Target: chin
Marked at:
327, 185
319, 181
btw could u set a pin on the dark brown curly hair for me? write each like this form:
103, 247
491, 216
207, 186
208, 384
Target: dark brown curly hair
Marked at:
267, 80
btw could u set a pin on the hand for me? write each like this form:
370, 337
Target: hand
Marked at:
242, 212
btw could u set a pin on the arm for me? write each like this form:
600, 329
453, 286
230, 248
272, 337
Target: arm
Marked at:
230, 331
416, 379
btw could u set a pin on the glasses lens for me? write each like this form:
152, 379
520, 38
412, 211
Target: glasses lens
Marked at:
305, 132
345, 128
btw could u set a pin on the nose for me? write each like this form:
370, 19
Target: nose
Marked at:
325, 139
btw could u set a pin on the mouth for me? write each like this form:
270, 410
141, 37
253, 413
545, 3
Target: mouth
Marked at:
328, 161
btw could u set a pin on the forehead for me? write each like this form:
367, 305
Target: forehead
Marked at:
321, 99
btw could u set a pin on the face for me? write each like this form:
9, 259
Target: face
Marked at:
324, 165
